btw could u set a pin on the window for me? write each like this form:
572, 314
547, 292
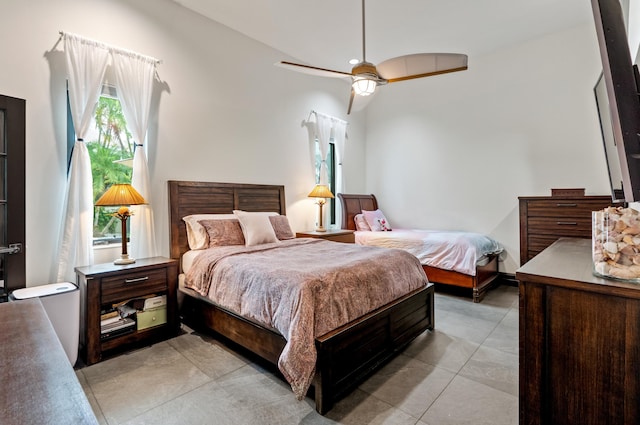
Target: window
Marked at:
331, 171
111, 151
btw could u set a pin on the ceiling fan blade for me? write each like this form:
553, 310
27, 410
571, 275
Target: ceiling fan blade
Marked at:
313, 70
361, 102
421, 65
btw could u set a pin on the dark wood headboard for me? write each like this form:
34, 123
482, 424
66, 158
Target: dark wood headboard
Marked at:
354, 204
186, 197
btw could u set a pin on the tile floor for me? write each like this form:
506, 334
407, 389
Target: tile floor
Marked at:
464, 372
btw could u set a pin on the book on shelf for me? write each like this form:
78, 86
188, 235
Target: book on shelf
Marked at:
110, 320
117, 332
109, 314
121, 323
119, 327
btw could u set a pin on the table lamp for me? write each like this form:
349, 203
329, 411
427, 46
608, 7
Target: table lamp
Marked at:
121, 195
321, 192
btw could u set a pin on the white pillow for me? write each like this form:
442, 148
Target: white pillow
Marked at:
256, 227
197, 235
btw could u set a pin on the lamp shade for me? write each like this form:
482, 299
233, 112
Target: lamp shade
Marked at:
321, 191
120, 194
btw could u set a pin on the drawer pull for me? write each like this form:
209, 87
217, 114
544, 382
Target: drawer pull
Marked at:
560, 204
567, 223
140, 279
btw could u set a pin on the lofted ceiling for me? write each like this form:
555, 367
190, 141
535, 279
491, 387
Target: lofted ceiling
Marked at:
327, 33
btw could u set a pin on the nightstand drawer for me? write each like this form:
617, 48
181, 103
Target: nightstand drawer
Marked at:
135, 284
150, 318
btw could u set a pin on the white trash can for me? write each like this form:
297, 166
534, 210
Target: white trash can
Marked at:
61, 302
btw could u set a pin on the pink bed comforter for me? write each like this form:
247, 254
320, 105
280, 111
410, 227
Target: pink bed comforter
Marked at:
448, 250
304, 288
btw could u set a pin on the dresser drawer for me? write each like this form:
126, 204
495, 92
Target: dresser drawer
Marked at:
560, 226
135, 284
563, 208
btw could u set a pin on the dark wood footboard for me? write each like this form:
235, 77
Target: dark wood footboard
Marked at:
346, 356
486, 276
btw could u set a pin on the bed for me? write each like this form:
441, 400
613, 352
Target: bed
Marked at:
478, 277
347, 354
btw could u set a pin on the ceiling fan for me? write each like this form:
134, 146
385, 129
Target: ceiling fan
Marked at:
366, 76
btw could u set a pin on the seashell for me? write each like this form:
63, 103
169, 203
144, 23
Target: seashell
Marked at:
611, 247
631, 230
625, 261
628, 250
620, 226
602, 268
628, 240
624, 273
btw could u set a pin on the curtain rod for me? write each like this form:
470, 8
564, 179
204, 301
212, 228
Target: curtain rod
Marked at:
112, 48
326, 116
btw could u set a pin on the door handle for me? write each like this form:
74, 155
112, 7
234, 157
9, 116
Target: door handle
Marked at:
13, 248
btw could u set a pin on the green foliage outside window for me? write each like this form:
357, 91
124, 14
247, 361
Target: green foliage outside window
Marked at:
112, 143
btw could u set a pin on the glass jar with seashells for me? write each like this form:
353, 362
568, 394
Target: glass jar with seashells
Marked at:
616, 243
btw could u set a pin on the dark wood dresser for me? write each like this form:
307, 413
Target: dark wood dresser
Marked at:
579, 341
544, 219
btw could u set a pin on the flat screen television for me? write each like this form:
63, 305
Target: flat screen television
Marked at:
610, 145
618, 87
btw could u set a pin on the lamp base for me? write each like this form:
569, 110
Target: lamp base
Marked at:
320, 229
124, 259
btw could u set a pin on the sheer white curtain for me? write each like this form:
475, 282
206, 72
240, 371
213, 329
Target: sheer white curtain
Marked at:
324, 129
323, 133
339, 138
86, 63
134, 80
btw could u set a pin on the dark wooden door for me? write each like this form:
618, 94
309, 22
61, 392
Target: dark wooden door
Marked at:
12, 196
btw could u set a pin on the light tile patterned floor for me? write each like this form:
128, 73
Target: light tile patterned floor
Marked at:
464, 372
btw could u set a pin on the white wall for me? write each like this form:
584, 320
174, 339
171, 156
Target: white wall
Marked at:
455, 151
225, 113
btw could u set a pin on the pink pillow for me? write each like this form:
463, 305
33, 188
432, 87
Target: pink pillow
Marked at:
361, 223
223, 232
376, 220
281, 226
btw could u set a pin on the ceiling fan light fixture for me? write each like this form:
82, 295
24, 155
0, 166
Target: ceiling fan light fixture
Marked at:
364, 86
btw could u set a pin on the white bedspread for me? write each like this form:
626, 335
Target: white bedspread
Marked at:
451, 250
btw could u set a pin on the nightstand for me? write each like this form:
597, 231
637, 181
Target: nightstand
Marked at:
104, 285
341, 235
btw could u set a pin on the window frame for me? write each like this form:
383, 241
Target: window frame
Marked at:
332, 175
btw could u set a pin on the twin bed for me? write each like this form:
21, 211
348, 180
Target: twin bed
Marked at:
461, 259
326, 313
